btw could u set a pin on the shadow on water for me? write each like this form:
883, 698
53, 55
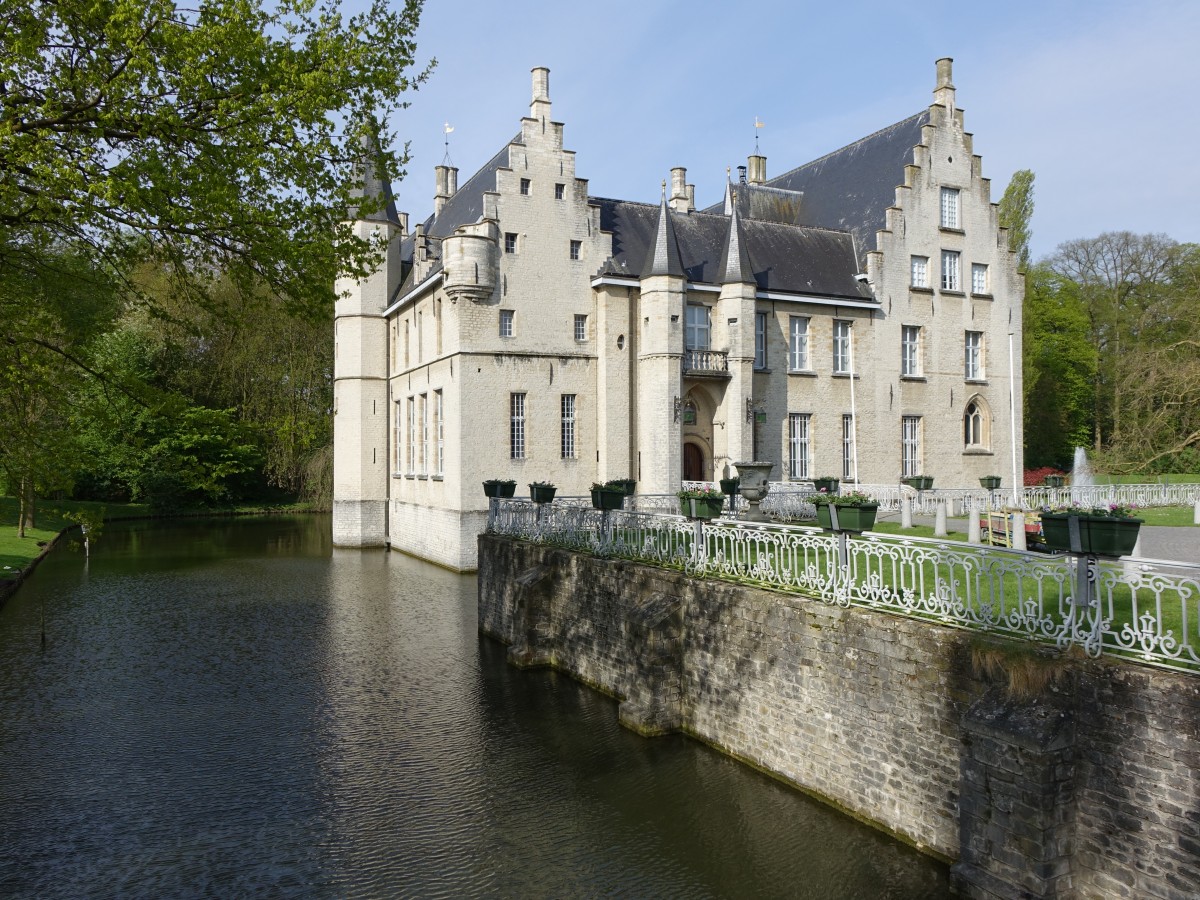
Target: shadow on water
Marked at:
232, 707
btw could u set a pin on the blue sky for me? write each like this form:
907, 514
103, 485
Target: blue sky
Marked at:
1098, 98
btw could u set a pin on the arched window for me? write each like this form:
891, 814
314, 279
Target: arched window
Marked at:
977, 425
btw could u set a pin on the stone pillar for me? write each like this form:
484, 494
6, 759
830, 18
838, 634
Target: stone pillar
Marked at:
939, 527
1018, 531
973, 532
906, 512
1016, 799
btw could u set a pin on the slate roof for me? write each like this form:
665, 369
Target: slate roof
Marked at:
847, 189
780, 257
373, 184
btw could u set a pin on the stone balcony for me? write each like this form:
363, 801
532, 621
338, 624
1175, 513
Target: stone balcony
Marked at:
706, 363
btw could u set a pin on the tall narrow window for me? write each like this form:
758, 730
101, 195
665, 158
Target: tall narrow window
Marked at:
576, 246
973, 355
760, 340
424, 404
847, 448
506, 323
979, 278
568, 426
525, 186
399, 437
580, 328
437, 322
910, 446
510, 242
696, 332
411, 461
439, 426
420, 336
950, 217
841, 347
516, 425
798, 445
798, 343
950, 279
560, 191
406, 345
920, 271
975, 425
910, 350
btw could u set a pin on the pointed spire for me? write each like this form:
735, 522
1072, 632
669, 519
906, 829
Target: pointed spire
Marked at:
735, 264
370, 182
664, 260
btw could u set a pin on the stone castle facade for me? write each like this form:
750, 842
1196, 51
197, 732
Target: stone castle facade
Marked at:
858, 316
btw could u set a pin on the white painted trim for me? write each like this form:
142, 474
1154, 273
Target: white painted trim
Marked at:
817, 301
617, 280
420, 289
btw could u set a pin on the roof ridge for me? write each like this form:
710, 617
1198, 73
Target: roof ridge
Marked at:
861, 140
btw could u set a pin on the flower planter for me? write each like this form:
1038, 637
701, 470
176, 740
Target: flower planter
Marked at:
1098, 535
730, 486
503, 489
850, 518
1055, 480
627, 485
828, 485
542, 493
608, 498
919, 482
991, 482
701, 508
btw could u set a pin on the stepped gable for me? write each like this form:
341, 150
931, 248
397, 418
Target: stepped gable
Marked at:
849, 189
782, 257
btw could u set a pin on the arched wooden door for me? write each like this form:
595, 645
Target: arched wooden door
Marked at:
693, 463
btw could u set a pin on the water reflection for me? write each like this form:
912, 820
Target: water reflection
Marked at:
232, 707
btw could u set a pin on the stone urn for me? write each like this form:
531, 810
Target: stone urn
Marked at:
753, 484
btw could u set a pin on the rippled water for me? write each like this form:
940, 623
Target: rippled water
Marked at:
232, 708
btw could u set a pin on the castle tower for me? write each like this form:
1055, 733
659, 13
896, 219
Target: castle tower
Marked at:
361, 418
737, 304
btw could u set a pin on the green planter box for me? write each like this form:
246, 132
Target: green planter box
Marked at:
828, 485
503, 489
627, 485
608, 498
1098, 535
1055, 480
919, 482
699, 508
991, 482
850, 518
539, 493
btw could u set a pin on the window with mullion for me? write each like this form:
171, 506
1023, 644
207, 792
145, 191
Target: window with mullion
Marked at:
439, 461
841, 347
910, 350
950, 197
696, 331
760, 340
568, 426
516, 425
799, 450
973, 355
950, 271
798, 343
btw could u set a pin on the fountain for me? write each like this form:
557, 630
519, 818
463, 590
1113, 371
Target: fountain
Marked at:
1081, 476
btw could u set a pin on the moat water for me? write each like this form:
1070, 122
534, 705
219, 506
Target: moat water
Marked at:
233, 708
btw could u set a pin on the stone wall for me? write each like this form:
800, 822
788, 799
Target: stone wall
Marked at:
1091, 789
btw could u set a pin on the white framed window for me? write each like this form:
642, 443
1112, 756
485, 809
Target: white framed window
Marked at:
560, 191
760, 340
399, 436
976, 425
406, 344
920, 271
848, 447
799, 445
420, 336
576, 246
424, 405
910, 350
910, 446
437, 323
580, 328
525, 185
950, 276
841, 347
411, 460
506, 323
516, 425
798, 343
568, 426
979, 278
510, 242
973, 355
439, 418
696, 329
950, 218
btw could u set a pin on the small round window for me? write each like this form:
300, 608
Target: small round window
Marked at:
620, 342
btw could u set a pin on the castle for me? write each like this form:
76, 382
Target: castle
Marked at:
858, 316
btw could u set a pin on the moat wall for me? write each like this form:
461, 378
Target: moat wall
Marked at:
1090, 788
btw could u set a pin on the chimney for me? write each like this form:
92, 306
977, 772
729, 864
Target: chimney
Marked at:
539, 106
447, 184
691, 198
758, 169
944, 92
679, 198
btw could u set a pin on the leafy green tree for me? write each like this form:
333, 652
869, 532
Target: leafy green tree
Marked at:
1016, 214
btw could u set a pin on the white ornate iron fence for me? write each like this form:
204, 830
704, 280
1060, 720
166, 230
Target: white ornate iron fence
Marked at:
1146, 609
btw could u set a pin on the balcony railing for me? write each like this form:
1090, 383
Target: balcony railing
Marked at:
706, 362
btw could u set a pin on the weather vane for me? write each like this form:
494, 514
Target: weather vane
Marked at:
446, 129
758, 123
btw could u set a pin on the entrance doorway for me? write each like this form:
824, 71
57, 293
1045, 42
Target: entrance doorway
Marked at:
693, 463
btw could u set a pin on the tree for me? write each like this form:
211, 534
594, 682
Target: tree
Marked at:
1016, 214
221, 139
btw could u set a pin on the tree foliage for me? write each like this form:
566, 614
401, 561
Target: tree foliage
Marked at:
1016, 214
